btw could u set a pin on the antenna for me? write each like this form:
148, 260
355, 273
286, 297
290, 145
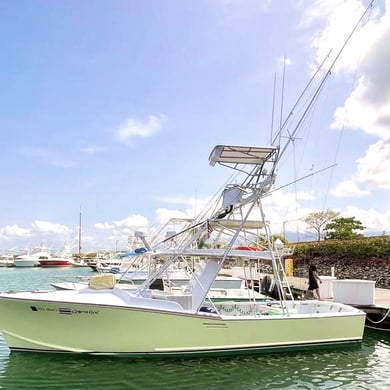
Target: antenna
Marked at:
80, 233
273, 108
291, 113
317, 90
282, 98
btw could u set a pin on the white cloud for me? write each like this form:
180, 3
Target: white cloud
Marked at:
284, 210
49, 227
338, 18
134, 127
362, 111
163, 215
192, 207
103, 226
367, 108
132, 221
372, 220
14, 231
348, 188
115, 235
374, 167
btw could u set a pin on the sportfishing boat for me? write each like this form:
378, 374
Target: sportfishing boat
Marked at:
105, 261
187, 323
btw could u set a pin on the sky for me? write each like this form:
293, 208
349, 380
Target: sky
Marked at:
110, 109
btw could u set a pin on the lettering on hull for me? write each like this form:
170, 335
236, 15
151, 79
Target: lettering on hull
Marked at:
64, 310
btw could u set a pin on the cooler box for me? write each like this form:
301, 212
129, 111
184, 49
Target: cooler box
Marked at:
326, 287
354, 291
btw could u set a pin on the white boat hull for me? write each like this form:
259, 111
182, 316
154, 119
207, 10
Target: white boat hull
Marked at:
6, 263
26, 263
74, 325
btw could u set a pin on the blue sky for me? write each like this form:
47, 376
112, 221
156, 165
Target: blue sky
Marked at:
114, 107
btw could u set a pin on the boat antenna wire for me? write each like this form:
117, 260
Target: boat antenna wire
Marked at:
337, 151
338, 146
320, 86
278, 134
300, 179
282, 97
273, 108
80, 233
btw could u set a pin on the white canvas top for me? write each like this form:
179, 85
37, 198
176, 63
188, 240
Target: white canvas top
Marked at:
230, 154
236, 223
217, 253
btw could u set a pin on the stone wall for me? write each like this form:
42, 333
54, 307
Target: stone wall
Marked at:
377, 269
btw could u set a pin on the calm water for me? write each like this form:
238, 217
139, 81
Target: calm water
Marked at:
367, 367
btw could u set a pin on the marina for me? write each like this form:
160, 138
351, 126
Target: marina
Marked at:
195, 291
367, 366
187, 323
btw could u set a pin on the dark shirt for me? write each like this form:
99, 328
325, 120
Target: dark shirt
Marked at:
313, 283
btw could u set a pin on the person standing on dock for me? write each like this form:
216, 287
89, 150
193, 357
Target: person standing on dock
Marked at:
313, 282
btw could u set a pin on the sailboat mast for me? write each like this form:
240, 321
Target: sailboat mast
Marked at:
80, 233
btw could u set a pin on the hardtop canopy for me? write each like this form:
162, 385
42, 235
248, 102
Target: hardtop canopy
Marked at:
230, 154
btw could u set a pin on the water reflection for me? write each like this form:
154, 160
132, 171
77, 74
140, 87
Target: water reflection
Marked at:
365, 367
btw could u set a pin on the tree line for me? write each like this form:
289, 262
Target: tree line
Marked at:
329, 225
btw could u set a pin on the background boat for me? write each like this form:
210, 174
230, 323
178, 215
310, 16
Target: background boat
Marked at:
30, 259
60, 321
7, 260
43, 258
370, 367
51, 261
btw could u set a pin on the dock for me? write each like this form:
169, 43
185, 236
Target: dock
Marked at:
299, 287
375, 302
381, 299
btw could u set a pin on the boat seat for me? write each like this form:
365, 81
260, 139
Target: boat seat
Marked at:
103, 281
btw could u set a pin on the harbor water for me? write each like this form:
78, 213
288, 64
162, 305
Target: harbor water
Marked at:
365, 367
